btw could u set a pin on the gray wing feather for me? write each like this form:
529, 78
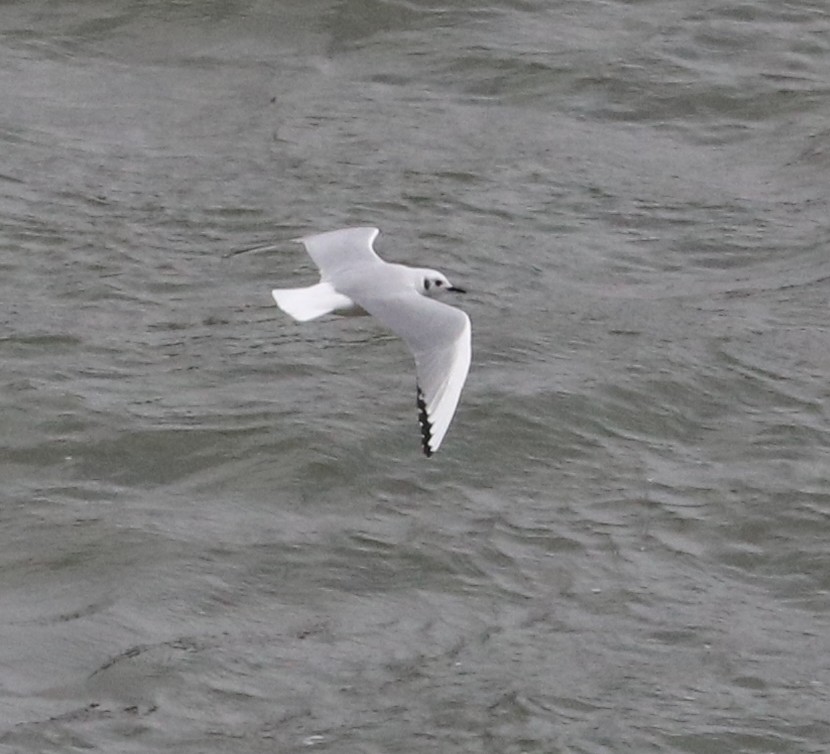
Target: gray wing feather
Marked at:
439, 337
339, 250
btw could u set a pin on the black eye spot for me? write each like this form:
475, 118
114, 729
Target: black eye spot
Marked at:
438, 282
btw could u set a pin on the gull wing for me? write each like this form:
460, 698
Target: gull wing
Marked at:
440, 338
338, 250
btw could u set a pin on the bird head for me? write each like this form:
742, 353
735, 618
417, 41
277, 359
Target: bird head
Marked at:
432, 283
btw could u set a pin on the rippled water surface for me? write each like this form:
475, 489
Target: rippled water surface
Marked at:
217, 533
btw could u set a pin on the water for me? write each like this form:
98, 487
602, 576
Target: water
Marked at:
218, 533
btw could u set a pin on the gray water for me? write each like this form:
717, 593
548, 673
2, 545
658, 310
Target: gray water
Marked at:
217, 531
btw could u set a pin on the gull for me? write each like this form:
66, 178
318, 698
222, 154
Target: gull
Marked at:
354, 280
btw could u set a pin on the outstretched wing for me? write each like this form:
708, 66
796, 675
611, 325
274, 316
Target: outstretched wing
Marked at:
338, 250
440, 337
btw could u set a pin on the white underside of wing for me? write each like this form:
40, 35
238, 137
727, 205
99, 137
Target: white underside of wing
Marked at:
441, 377
439, 337
339, 250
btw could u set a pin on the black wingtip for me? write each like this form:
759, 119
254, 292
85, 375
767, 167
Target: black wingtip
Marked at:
426, 427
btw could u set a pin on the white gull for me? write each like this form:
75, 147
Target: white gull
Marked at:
354, 280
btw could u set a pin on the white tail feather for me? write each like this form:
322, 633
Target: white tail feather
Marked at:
309, 303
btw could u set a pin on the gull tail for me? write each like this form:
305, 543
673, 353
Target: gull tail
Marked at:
309, 303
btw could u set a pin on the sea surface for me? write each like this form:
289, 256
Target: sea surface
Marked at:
217, 530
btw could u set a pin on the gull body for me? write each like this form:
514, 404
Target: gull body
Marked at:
354, 280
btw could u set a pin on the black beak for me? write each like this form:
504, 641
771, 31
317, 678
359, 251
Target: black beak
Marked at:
456, 290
